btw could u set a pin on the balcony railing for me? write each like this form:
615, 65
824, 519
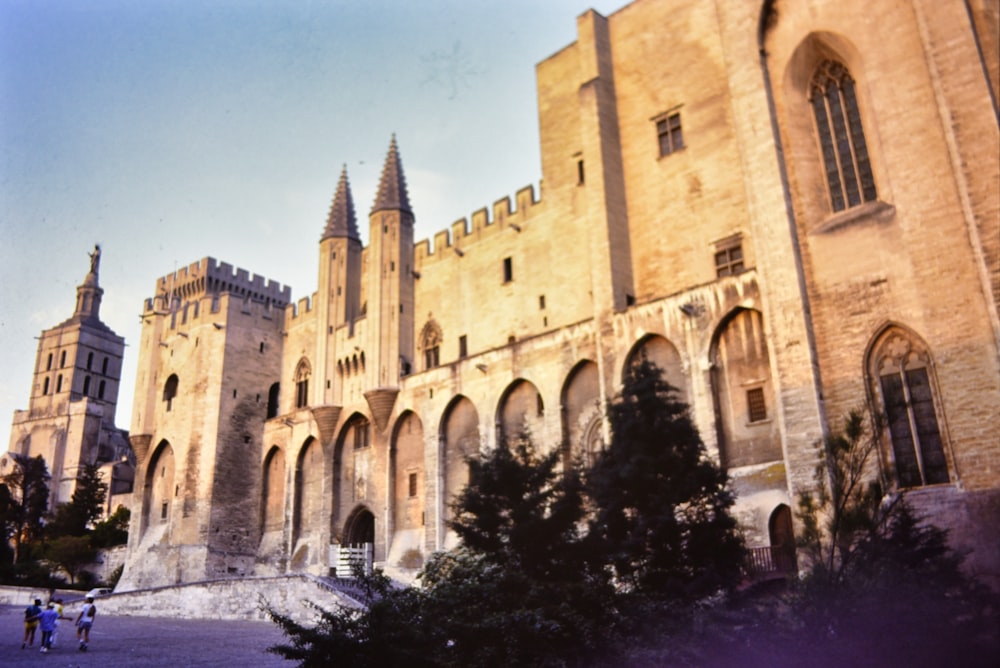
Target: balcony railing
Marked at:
768, 563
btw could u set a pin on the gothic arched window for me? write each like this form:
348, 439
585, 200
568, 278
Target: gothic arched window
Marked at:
900, 372
841, 137
302, 373
430, 342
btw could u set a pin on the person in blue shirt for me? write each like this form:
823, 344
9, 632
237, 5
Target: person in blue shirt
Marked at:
47, 622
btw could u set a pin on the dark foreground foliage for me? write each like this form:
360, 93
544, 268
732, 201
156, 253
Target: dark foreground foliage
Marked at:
555, 570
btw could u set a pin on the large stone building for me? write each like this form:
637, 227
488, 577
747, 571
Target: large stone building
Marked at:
70, 419
792, 207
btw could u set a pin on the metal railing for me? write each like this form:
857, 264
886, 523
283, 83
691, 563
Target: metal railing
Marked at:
345, 558
773, 561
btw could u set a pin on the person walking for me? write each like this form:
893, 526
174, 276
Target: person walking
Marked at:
31, 614
47, 623
84, 622
55, 632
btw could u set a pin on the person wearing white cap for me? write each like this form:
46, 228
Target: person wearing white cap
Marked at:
84, 621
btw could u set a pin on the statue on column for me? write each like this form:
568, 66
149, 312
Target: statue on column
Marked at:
95, 259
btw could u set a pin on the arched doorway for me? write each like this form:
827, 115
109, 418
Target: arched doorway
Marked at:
782, 536
358, 547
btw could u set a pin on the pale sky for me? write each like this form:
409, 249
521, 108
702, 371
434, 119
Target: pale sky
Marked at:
168, 131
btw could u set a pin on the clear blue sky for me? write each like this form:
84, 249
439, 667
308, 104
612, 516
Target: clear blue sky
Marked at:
168, 131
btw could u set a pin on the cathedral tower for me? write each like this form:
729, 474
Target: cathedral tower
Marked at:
70, 419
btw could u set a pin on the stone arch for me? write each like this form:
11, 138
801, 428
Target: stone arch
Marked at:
353, 472
581, 414
308, 500
159, 489
743, 391
359, 528
408, 479
273, 492
520, 412
661, 352
903, 388
459, 440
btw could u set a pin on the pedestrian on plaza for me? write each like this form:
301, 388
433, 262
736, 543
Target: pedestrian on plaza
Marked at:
31, 614
84, 621
55, 632
47, 622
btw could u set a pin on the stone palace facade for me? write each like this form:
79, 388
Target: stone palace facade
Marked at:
793, 208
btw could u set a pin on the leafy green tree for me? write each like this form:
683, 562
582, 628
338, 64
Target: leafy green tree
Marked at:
28, 497
70, 554
113, 530
662, 517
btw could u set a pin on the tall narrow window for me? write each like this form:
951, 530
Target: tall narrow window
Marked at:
302, 373
841, 137
463, 347
901, 373
90, 360
508, 270
170, 390
668, 131
100, 390
104, 366
86, 386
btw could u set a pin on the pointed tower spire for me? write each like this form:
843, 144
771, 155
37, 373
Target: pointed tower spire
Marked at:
341, 222
392, 189
89, 293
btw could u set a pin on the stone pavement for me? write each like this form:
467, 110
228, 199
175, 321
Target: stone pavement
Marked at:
145, 641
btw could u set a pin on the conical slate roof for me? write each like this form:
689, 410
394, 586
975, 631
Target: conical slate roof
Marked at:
341, 222
392, 189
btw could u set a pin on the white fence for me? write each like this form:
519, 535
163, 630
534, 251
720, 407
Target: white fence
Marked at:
343, 558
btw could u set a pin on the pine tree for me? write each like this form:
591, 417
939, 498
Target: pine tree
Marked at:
28, 487
661, 504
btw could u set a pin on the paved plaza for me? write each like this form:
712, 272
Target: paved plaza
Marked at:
134, 642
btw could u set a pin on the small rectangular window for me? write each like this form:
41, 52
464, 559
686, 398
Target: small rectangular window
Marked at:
541, 302
756, 408
579, 172
668, 130
413, 485
729, 261
463, 347
163, 511
508, 270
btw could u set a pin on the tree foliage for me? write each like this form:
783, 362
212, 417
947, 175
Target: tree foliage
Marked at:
113, 530
662, 505
533, 583
26, 501
70, 554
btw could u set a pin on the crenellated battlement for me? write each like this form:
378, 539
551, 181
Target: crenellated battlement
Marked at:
300, 308
462, 233
207, 276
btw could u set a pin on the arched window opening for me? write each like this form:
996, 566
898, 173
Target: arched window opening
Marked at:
430, 342
86, 386
48, 364
302, 373
104, 366
841, 136
90, 362
100, 390
170, 390
272, 401
45, 387
900, 373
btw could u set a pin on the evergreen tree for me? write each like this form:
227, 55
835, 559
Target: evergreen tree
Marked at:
517, 591
662, 520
